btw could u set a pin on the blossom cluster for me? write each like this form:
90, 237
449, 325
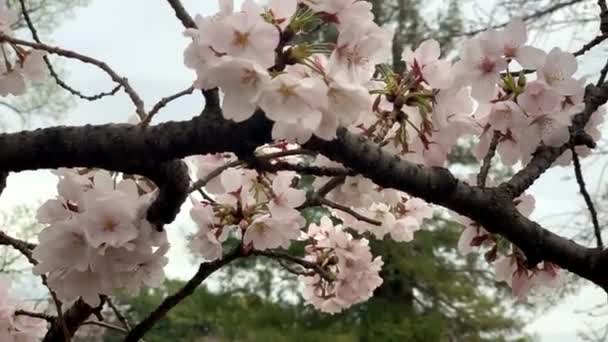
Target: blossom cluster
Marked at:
351, 262
25, 64
13, 327
262, 210
96, 238
246, 54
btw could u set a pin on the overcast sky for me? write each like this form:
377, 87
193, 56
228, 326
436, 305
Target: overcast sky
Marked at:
142, 40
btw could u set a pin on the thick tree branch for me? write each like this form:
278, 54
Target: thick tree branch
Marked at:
100, 146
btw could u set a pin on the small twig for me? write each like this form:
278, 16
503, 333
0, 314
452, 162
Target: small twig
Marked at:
212, 97
60, 317
482, 177
163, 102
265, 157
329, 186
306, 264
25, 248
182, 14
292, 270
590, 206
603, 74
306, 169
121, 318
350, 211
137, 101
106, 325
51, 69
593, 43
48, 318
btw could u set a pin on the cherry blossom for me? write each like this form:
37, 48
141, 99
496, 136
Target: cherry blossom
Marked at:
286, 198
480, 65
558, 70
241, 81
513, 37
99, 241
245, 35
425, 61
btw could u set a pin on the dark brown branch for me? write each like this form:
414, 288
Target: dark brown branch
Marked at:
23, 247
204, 271
172, 179
593, 43
545, 156
164, 102
580, 179
182, 14
52, 70
137, 101
262, 161
211, 96
121, 318
74, 317
48, 318
106, 325
482, 177
351, 212
304, 169
99, 146
306, 264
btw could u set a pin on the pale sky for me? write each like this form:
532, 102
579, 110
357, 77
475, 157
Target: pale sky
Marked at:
142, 40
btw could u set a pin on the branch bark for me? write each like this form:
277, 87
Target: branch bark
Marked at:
204, 271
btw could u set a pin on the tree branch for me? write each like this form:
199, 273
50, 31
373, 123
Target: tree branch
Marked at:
583, 188
482, 177
137, 101
52, 71
204, 271
164, 102
74, 317
545, 156
306, 264
182, 14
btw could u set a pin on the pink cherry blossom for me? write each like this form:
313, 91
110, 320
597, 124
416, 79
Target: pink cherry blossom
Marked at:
286, 198
558, 70
359, 48
480, 65
246, 35
242, 81
513, 38
208, 240
425, 61
266, 232
539, 99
